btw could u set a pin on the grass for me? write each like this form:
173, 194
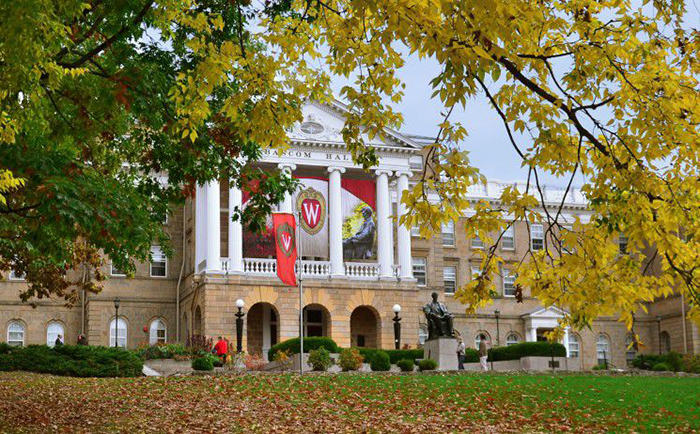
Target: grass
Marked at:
351, 403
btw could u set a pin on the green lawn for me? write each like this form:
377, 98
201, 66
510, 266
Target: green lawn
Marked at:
351, 403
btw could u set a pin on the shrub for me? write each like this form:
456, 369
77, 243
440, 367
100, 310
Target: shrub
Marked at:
320, 359
600, 367
661, 367
471, 355
203, 364
673, 360
283, 358
380, 362
162, 351
396, 355
350, 360
527, 349
70, 360
406, 365
5, 348
691, 363
427, 365
313, 343
199, 344
254, 362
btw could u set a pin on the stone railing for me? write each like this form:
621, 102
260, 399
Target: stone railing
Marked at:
311, 269
259, 266
362, 270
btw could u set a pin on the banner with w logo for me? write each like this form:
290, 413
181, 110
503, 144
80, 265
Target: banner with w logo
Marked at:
286, 246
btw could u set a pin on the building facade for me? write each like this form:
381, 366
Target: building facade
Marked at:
357, 263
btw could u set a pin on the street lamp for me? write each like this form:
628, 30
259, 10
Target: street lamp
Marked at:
497, 314
116, 322
239, 325
658, 327
397, 326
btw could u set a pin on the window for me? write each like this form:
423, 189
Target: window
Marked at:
476, 271
314, 321
630, 349
508, 283
477, 243
422, 334
448, 234
117, 332
159, 263
15, 334
622, 242
537, 237
157, 333
574, 345
114, 271
480, 337
603, 349
512, 339
53, 331
449, 277
665, 342
566, 247
415, 231
419, 270
16, 276
508, 239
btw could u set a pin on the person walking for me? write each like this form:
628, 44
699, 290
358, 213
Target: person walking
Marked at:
460, 354
59, 341
221, 349
483, 353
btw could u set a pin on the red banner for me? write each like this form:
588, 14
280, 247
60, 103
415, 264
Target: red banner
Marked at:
286, 244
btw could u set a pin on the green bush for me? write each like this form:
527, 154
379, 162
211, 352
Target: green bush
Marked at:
350, 360
396, 355
527, 349
369, 353
203, 364
471, 355
5, 348
427, 365
661, 367
380, 362
72, 360
320, 359
164, 351
292, 346
601, 367
673, 360
691, 363
406, 365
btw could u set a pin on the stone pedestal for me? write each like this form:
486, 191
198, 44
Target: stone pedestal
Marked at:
444, 351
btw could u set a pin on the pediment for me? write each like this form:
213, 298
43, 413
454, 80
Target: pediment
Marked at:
546, 312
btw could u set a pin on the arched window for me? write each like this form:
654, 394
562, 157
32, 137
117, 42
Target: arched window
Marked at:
630, 349
665, 342
603, 349
574, 345
479, 337
158, 332
53, 331
117, 333
512, 339
15, 334
422, 334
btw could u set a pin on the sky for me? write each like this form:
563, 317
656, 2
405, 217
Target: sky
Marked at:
488, 144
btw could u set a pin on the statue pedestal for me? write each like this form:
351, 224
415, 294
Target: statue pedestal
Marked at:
444, 351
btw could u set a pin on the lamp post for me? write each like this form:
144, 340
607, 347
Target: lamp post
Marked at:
497, 314
397, 326
116, 322
658, 327
239, 325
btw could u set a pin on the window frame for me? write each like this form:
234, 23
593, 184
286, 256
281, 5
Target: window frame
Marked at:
23, 330
454, 278
540, 237
607, 356
415, 259
118, 338
477, 243
506, 274
115, 272
415, 231
574, 340
630, 352
158, 250
449, 230
52, 335
510, 230
13, 277
155, 339
510, 342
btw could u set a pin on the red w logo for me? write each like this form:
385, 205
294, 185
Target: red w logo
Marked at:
286, 241
311, 211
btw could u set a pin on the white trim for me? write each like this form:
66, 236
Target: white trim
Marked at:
150, 263
125, 338
13, 276
539, 229
154, 338
23, 331
111, 271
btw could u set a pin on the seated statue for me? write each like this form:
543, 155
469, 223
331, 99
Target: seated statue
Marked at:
440, 320
359, 246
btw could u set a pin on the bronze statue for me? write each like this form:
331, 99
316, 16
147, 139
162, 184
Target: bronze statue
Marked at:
440, 320
359, 246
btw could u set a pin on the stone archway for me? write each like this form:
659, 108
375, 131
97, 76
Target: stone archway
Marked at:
365, 327
317, 320
262, 328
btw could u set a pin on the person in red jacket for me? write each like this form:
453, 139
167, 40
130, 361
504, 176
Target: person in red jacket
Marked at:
221, 349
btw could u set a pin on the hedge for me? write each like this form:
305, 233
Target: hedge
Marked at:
526, 349
380, 362
647, 361
471, 355
310, 343
396, 355
70, 360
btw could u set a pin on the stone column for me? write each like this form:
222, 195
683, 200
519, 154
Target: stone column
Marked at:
335, 222
213, 230
403, 233
287, 205
235, 232
384, 248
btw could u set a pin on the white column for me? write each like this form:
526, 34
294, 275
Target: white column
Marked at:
200, 231
335, 222
213, 230
287, 205
565, 342
403, 233
384, 248
532, 337
235, 231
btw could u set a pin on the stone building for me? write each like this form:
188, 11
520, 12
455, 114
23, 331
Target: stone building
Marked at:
357, 263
